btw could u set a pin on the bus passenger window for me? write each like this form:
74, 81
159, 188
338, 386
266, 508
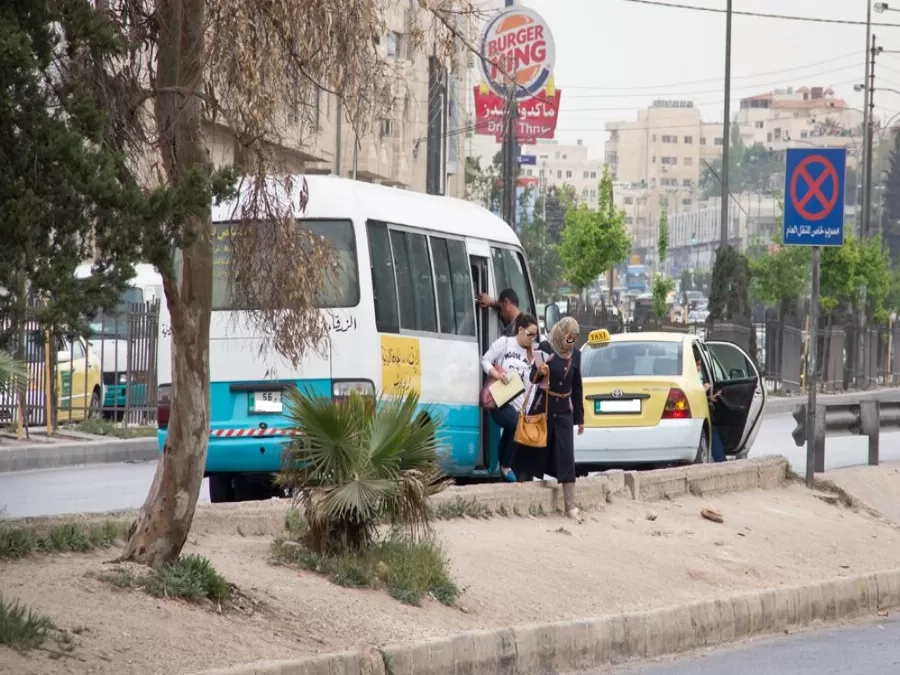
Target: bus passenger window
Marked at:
509, 272
456, 308
387, 317
415, 285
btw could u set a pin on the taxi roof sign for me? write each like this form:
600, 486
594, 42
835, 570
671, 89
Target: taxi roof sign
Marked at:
598, 337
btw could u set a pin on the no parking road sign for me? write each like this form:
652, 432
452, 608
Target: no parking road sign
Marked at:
814, 197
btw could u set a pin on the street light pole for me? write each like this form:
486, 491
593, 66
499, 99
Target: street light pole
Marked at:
726, 128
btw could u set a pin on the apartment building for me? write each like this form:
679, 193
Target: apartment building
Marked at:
557, 164
664, 148
808, 116
395, 151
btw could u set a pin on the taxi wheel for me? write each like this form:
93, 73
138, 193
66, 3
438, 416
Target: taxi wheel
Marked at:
703, 454
96, 409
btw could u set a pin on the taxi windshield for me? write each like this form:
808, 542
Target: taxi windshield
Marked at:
632, 359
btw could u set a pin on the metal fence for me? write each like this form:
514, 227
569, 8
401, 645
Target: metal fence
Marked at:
850, 356
112, 374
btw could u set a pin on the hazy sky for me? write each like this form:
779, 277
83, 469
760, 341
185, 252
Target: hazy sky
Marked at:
614, 56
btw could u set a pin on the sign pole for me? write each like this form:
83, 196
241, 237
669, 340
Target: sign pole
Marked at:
812, 368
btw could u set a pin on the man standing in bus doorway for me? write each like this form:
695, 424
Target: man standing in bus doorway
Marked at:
507, 306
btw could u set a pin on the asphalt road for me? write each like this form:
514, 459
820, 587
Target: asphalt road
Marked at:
93, 489
869, 649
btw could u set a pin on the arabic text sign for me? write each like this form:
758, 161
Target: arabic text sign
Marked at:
517, 43
401, 365
537, 116
814, 196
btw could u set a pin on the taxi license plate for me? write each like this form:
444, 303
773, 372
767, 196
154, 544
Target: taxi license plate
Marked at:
617, 406
265, 402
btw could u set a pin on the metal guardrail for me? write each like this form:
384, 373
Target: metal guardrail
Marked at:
865, 418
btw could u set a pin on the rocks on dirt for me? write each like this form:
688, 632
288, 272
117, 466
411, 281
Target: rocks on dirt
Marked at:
712, 514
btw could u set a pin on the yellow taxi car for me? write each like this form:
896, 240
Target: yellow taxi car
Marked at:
645, 400
78, 382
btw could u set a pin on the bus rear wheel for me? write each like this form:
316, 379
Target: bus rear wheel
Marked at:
221, 488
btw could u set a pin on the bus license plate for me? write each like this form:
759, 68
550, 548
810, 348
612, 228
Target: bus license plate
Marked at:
265, 402
613, 407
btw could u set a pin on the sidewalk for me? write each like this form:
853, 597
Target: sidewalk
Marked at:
71, 448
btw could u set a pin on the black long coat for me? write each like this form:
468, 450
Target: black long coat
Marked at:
558, 458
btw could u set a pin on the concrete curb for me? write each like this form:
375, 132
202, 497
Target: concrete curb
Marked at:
569, 646
785, 405
646, 486
60, 455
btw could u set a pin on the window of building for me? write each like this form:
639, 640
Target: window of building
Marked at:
593, 194
702, 140
585, 175
565, 156
759, 125
568, 174
628, 200
542, 173
688, 140
454, 287
393, 44
415, 284
559, 174
654, 160
654, 138
527, 172
629, 220
769, 137
593, 174
671, 161
557, 155
689, 161
804, 134
717, 141
685, 202
584, 193
687, 182
670, 139
641, 220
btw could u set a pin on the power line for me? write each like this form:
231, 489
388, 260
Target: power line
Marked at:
760, 15
719, 79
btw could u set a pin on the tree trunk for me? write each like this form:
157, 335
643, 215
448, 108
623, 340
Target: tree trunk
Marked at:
165, 519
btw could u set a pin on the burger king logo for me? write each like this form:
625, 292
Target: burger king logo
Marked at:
518, 45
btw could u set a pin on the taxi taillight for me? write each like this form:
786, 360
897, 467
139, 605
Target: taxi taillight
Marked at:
677, 406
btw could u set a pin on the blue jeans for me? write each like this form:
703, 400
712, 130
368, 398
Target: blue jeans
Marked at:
507, 418
718, 448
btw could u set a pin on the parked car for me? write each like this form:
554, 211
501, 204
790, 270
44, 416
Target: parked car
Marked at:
78, 382
645, 403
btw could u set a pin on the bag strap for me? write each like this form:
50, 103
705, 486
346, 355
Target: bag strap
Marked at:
531, 390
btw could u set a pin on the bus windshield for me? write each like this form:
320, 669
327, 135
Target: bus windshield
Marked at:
115, 323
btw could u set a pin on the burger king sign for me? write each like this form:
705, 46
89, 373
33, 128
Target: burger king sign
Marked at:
518, 45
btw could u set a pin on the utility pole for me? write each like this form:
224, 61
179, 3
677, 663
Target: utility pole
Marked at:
867, 123
870, 133
509, 156
509, 150
726, 128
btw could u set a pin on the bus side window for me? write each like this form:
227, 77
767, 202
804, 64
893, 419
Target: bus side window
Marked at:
384, 284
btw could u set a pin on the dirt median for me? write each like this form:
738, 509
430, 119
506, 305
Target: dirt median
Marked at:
513, 571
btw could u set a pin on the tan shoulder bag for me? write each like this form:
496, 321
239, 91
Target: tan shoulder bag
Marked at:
531, 430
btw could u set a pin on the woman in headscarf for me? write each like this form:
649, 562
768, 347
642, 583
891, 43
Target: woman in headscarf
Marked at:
557, 369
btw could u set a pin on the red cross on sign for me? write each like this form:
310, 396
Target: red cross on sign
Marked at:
815, 188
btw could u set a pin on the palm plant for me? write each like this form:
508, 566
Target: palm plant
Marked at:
356, 464
13, 374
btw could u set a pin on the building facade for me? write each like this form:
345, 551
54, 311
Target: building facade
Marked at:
805, 117
395, 151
